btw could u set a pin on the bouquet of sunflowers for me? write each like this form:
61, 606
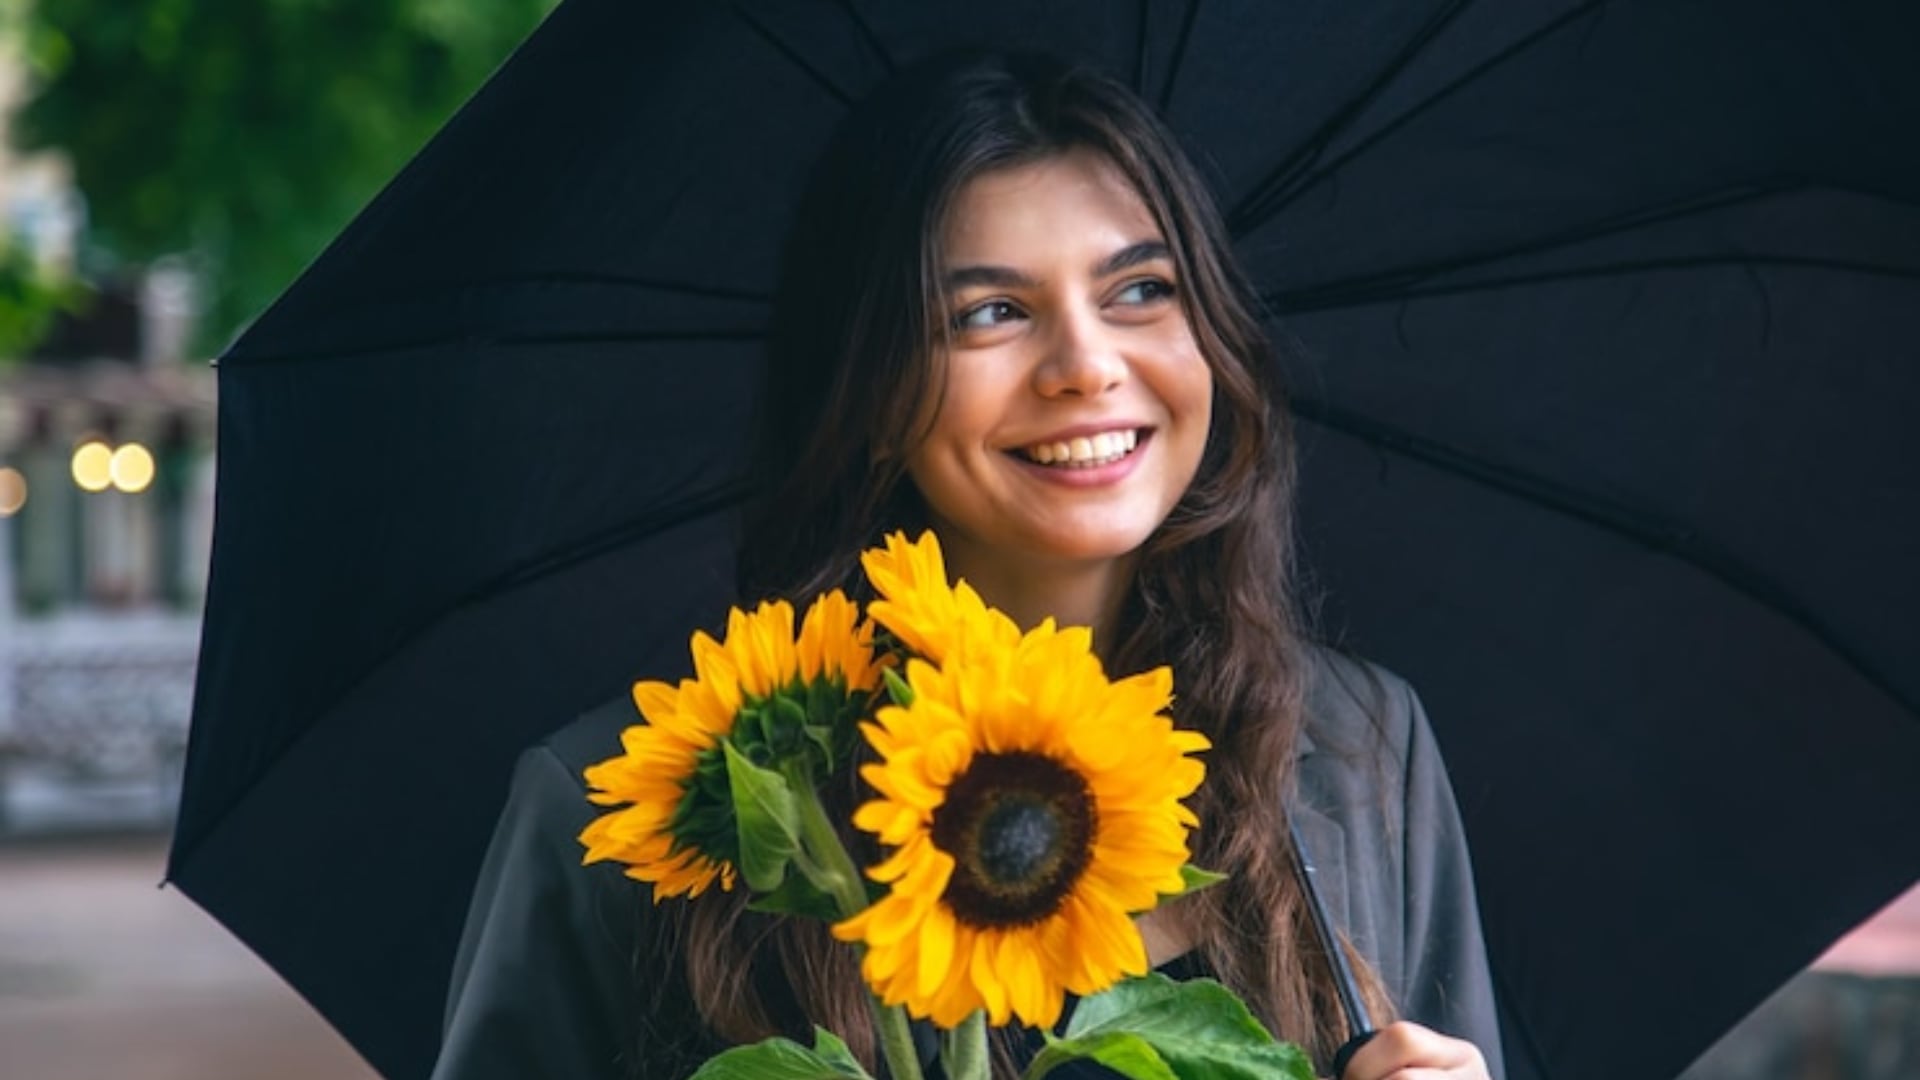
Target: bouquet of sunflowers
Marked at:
1028, 804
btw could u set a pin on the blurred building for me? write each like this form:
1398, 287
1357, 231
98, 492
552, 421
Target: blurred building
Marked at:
106, 518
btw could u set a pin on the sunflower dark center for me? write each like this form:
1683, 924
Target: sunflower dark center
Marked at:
1020, 829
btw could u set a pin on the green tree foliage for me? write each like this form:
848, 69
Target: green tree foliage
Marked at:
248, 132
29, 300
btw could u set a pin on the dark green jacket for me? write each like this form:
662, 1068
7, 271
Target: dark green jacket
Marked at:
552, 981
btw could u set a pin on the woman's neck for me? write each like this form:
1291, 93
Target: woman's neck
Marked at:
1167, 933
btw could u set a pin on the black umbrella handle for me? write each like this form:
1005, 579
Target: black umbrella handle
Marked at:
1359, 1018
1345, 1054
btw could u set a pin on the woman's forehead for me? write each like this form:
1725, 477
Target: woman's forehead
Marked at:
1076, 203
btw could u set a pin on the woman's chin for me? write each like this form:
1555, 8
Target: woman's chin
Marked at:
1090, 545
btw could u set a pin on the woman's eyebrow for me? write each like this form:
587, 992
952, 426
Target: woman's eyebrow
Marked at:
1132, 255
1006, 277
994, 277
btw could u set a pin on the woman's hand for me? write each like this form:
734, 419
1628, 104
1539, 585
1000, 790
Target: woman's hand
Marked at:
1405, 1051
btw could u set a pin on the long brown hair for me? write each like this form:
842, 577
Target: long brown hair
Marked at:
855, 351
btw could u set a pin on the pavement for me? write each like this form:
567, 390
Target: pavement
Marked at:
106, 976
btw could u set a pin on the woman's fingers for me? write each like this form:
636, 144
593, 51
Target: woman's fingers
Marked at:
1406, 1051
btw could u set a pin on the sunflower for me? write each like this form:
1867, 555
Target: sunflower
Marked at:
1033, 806
676, 829
920, 608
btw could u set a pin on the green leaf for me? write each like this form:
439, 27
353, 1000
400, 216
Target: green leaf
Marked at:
1194, 879
897, 688
830, 1049
1123, 1052
1198, 1027
797, 896
768, 820
784, 1059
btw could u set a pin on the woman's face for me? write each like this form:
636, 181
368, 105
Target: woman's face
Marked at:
1077, 402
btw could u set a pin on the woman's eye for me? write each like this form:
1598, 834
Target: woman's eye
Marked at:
990, 314
1145, 291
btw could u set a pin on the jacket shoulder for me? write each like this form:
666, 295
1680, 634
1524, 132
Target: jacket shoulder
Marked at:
1354, 707
593, 736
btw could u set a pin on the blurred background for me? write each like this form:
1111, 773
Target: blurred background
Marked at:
166, 168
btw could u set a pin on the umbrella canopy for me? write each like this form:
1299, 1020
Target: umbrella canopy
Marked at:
1603, 318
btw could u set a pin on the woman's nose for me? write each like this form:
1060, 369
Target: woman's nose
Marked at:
1083, 359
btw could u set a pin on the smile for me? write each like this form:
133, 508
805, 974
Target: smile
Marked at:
1084, 452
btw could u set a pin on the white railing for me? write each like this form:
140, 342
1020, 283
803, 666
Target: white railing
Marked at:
93, 716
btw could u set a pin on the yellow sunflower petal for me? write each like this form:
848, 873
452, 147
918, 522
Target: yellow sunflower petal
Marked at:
916, 603
654, 699
936, 950
986, 980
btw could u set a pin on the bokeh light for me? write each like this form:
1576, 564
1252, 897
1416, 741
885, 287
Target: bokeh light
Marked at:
92, 466
13, 492
131, 468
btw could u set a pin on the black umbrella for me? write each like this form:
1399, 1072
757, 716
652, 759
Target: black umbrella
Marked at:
1606, 316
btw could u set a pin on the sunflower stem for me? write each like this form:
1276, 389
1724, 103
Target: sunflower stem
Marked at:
896, 1040
825, 862
963, 1051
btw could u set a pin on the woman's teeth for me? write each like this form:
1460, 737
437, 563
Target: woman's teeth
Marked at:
1088, 452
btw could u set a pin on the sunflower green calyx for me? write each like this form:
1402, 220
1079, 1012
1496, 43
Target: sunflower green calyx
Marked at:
815, 718
772, 692
897, 688
703, 820
1195, 878
811, 725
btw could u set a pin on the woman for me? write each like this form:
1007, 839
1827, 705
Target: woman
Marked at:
1008, 313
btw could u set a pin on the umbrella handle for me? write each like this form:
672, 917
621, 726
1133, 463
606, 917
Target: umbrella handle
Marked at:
1345, 1054
1359, 1019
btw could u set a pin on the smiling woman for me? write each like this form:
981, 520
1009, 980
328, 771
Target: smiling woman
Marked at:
1076, 404
1008, 313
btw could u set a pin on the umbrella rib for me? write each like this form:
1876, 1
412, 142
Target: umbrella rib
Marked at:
395, 297
1271, 191
871, 39
1145, 9
477, 340
1652, 215
1657, 214
1275, 193
1671, 540
1178, 57
819, 77
1355, 295
401, 298
679, 288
